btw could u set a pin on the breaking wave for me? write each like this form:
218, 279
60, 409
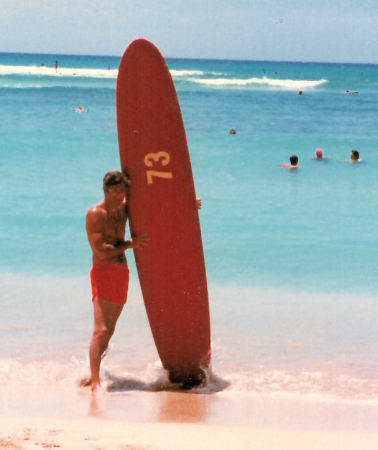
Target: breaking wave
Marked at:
78, 72
38, 76
263, 81
59, 72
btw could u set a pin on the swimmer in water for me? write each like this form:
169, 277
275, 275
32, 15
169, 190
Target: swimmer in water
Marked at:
355, 156
293, 163
319, 153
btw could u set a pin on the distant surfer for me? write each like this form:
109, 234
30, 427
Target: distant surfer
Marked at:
80, 109
56, 66
293, 163
106, 224
232, 131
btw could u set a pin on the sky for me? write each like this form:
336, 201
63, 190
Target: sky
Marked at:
290, 30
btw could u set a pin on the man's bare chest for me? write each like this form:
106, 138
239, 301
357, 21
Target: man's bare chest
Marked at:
115, 224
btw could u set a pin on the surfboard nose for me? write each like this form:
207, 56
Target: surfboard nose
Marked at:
141, 45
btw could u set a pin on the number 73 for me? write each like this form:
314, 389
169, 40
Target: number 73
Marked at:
154, 159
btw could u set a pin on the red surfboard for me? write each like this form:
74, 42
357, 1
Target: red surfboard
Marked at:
162, 203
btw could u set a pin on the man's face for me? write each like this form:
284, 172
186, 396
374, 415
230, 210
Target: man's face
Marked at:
116, 193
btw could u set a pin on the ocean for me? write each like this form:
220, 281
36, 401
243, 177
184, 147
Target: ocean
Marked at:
291, 255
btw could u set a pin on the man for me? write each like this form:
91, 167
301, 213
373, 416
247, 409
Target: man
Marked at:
355, 156
106, 224
293, 163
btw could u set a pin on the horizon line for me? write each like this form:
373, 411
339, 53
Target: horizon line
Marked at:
197, 58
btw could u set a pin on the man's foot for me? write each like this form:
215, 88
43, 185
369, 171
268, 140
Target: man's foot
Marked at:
95, 386
87, 381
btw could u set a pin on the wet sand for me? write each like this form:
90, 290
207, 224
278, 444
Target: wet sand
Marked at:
62, 418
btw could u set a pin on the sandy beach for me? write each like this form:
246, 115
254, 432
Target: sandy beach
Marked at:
180, 420
31, 433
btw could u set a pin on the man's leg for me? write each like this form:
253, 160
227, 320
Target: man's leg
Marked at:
105, 318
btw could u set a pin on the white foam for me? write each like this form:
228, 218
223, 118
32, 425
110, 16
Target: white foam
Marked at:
185, 73
327, 385
79, 72
190, 75
17, 371
264, 81
60, 72
318, 385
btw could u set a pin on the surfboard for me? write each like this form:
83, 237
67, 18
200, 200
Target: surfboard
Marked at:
162, 203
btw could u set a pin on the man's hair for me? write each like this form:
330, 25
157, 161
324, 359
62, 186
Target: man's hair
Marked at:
114, 177
293, 160
355, 154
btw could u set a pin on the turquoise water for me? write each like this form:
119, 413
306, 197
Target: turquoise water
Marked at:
291, 255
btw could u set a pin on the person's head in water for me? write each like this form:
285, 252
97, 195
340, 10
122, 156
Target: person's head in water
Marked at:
294, 160
354, 155
319, 153
114, 178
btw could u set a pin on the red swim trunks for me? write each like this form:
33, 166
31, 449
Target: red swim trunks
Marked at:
110, 282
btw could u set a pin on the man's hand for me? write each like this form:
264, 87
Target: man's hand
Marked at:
138, 241
198, 203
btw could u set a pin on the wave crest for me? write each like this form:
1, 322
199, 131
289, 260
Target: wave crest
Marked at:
79, 72
60, 71
185, 73
188, 75
264, 81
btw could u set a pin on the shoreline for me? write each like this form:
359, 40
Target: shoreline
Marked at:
218, 408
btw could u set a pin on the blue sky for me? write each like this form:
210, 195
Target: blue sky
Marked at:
295, 30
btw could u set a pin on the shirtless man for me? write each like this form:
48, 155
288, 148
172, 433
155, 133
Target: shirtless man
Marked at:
355, 156
293, 163
106, 224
